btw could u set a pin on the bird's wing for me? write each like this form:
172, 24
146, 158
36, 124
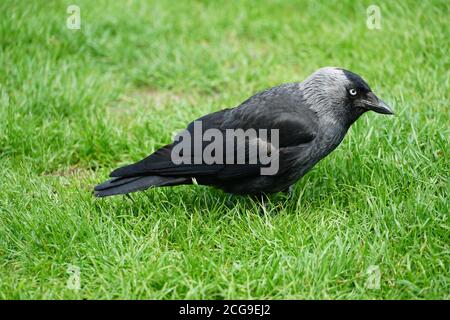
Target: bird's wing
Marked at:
278, 108
271, 109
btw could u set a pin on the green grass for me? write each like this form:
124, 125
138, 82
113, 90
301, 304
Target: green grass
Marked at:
76, 104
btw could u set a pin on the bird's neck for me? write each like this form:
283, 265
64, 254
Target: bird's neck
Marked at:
343, 117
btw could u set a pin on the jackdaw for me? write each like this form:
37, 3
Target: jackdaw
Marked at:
312, 117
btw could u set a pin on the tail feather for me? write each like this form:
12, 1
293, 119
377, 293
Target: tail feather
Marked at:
120, 185
114, 182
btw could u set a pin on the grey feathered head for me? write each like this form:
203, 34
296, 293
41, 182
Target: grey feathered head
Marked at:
338, 93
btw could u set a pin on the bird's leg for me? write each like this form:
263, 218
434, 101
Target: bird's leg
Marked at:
288, 191
129, 197
262, 200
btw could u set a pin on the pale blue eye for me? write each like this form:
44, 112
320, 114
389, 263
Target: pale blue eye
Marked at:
353, 92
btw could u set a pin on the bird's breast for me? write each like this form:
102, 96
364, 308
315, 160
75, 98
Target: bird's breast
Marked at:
329, 138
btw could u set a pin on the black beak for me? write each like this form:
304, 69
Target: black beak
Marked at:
372, 102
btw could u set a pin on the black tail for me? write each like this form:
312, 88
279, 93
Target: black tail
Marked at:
121, 185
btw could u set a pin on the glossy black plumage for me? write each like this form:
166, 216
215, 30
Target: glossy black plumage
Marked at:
312, 118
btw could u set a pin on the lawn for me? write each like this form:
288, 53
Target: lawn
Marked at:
75, 104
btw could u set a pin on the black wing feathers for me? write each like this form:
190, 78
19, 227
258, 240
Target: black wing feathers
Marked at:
271, 109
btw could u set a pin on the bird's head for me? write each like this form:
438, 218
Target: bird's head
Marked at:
339, 93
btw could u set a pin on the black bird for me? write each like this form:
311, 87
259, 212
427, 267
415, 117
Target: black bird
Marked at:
312, 117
